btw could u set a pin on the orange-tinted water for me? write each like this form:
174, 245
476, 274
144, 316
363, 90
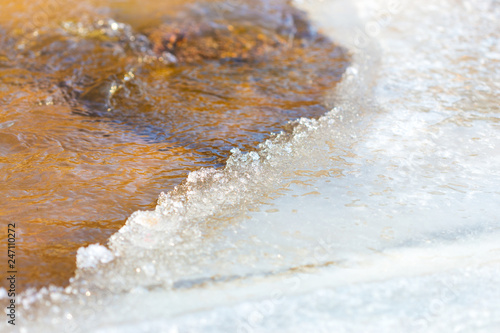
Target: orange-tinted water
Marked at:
94, 125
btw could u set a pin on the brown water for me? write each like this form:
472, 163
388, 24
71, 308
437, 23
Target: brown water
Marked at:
95, 121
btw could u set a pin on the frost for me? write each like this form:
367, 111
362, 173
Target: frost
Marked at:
93, 255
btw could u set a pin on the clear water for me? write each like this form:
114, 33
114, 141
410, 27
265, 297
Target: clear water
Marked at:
95, 121
380, 216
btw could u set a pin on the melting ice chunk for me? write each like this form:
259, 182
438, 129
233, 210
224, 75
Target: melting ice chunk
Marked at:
93, 255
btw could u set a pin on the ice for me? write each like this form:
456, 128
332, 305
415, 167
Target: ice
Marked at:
93, 255
381, 216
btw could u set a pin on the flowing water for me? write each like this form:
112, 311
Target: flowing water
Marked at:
380, 216
97, 119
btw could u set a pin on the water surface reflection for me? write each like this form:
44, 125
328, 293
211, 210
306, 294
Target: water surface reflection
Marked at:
101, 109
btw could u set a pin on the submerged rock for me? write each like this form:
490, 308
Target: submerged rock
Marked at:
244, 33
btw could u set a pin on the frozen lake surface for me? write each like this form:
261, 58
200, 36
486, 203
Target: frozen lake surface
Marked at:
381, 216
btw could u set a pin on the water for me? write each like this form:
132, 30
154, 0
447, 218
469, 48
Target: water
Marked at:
380, 216
96, 120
